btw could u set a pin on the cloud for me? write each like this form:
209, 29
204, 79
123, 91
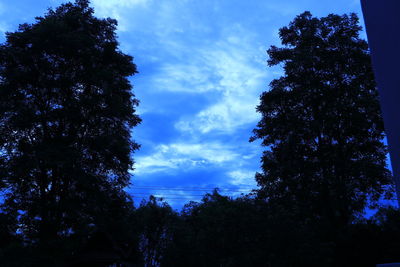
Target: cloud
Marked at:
232, 69
242, 177
185, 78
228, 68
117, 9
184, 156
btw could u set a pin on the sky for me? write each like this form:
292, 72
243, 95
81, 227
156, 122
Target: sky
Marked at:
202, 67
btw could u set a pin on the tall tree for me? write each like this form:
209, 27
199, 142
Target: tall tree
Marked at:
67, 110
220, 231
156, 223
321, 123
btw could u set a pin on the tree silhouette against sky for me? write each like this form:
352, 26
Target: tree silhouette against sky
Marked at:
321, 123
67, 110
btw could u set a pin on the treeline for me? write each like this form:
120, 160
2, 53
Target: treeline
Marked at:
67, 111
221, 231
218, 231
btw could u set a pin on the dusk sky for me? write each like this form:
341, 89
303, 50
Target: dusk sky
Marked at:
202, 67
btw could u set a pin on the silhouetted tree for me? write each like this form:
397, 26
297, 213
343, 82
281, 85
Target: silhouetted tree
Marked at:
113, 240
157, 221
220, 231
371, 241
67, 111
321, 123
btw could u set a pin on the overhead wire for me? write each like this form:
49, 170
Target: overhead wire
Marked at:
174, 198
142, 192
190, 188
169, 194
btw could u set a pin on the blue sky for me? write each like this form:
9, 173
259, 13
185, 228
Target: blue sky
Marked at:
202, 66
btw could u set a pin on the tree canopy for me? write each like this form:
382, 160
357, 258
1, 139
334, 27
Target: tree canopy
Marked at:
67, 111
321, 123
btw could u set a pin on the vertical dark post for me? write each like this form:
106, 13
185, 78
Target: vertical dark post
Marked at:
382, 22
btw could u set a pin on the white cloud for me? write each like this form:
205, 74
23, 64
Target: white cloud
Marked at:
187, 78
116, 8
230, 71
184, 156
242, 177
231, 68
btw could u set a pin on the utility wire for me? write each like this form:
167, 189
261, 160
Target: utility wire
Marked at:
148, 194
191, 189
183, 197
175, 198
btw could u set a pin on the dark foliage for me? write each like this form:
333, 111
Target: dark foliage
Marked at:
219, 231
157, 223
321, 123
222, 231
325, 160
66, 115
66, 110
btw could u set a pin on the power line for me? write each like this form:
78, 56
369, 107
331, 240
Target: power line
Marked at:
174, 198
148, 194
183, 197
169, 196
175, 195
193, 187
190, 188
